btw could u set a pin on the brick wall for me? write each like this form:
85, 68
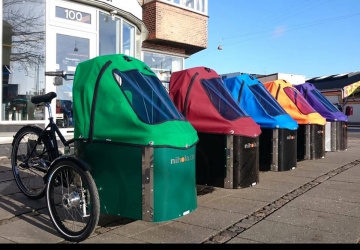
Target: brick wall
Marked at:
173, 25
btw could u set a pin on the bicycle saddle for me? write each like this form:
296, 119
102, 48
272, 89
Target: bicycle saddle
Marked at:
43, 98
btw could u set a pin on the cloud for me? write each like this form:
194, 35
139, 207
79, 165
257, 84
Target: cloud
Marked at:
279, 31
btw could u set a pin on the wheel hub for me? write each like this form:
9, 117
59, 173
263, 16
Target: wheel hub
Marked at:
71, 200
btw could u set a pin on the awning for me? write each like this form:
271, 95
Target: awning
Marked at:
351, 89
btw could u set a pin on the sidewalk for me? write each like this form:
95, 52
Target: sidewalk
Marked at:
318, 202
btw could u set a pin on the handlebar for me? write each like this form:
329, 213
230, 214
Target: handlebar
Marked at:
55, 73
61, 73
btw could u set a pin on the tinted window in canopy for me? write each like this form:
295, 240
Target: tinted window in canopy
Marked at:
300, 102
267, 101
328, 105
147, 96
222, 99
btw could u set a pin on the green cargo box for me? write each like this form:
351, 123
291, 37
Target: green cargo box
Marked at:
142, 183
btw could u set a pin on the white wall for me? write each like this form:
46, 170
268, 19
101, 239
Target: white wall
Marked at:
333, 99
131, 6
230, 75
293, 79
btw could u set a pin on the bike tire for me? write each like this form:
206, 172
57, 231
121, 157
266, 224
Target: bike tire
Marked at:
29, 177
69, 188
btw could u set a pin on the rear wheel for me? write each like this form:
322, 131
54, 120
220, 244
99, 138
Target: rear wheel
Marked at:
30, 160
72, 200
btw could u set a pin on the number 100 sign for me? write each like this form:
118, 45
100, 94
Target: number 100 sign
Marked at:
73, 15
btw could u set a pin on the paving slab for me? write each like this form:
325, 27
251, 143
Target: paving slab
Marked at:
8, 188
332, 206
235, 205
276, 232
337, 224
350, 175
340, 157
6, 175
211, 193
299, 172
258, 194
110, 238
17, 204
320, 166
171, 232
281, 186
211, 218
285, 176
30, 229
136, 227
337, 190
5, 241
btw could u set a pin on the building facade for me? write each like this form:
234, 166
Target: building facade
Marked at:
342, 90
292, 78
54, 35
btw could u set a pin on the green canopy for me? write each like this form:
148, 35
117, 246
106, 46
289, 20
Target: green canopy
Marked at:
118, 98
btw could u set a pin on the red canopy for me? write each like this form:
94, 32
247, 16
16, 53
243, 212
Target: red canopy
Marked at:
200, 94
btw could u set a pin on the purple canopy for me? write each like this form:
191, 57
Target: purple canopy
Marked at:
319, 102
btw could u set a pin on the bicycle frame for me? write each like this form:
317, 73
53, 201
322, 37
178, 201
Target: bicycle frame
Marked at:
50, 132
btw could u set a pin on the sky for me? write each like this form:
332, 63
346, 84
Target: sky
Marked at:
303, 37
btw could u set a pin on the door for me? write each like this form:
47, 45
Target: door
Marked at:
69, 50
71, 39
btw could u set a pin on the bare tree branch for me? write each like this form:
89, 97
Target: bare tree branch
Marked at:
26, 23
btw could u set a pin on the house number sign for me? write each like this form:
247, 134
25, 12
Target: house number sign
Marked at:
73, 15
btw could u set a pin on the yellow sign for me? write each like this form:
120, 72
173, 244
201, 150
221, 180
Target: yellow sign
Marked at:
351, 89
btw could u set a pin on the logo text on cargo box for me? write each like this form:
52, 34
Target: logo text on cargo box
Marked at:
182, 159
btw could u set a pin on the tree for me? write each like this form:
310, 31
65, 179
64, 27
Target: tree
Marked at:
24, 26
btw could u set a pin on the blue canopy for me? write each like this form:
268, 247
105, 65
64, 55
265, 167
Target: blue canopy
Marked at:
252, 96
320, 103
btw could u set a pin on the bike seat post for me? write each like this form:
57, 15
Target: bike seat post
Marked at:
49, 109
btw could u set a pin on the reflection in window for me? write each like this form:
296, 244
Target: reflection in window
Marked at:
147, 96
163, 65
111, 42
128, 40
300, 102
109, 34
221, 99
324, 101
197, 5
23, 57
70, 51
266, 100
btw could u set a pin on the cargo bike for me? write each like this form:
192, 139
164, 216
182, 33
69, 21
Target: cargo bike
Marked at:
133, 151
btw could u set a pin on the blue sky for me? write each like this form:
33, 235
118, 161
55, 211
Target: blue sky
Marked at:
302, 37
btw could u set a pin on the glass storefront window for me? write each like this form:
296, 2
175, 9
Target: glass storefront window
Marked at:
163, 65
111, 41
23, 51
70, 51
108, 34
23, 59
128, 39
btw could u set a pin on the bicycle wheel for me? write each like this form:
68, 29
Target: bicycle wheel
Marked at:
72, 200
30, 166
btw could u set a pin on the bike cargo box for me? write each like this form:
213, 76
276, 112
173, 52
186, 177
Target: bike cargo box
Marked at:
227, 153
336, 121
278, 138
311, 136
140, 148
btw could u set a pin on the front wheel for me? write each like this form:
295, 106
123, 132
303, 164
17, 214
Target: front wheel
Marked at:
72, 200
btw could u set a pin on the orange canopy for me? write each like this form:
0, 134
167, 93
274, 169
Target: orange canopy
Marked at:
294, 103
